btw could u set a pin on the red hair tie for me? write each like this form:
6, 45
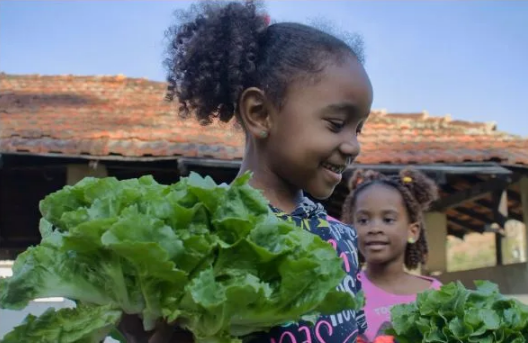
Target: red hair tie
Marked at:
267, 19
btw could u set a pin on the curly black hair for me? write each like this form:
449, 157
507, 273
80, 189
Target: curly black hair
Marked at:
219, 49
417, 191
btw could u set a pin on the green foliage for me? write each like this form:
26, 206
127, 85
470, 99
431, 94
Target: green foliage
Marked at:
214, 258
455, 314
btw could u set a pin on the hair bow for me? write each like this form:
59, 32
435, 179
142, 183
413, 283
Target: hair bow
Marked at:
267, 19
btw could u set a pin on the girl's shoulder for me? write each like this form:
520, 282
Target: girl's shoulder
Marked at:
340, 226
433, 283
337, 223
332, 219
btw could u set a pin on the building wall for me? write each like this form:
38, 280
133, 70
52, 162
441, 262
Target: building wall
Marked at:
512, 279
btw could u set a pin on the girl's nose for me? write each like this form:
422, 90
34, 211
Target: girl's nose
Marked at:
374, 229
350, 148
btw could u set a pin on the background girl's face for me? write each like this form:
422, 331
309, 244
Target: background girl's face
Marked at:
313, 137
382, 223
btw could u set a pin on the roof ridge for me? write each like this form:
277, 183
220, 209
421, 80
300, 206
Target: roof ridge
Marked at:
448, 121
98, 77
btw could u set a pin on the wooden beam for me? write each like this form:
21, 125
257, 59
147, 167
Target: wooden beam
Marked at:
477, 191
479, 216
465, 224
486, 168
512, 195
209, 162
453, 169
489, 205
500, 210
456, 233
96, 158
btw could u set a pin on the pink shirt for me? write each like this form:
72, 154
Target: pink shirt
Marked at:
379, 303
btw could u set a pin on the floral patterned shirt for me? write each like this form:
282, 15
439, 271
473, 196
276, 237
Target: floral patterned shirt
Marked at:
339, 328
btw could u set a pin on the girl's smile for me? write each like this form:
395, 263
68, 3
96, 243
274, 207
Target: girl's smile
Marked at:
335, 174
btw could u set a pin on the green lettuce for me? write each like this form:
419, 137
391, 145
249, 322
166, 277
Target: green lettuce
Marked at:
84, 324
213, 258
457, 314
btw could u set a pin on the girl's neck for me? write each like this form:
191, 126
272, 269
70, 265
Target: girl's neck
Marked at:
385, 273
278, 192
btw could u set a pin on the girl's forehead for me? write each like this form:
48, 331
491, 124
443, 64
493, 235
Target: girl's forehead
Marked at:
346, 81
379, 193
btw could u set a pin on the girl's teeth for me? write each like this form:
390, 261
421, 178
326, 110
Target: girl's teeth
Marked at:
332, 168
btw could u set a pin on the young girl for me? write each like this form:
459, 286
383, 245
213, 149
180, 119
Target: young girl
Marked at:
301, 96
387, 212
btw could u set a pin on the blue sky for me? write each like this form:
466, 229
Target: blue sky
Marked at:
466, 58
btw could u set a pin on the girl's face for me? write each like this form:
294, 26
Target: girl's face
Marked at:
313, 138
382, 223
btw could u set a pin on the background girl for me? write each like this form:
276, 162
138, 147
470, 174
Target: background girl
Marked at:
301, 96
387, 212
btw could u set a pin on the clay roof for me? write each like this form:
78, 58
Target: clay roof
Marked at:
105, 116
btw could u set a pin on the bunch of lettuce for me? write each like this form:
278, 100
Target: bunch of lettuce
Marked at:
213, 258
456, 314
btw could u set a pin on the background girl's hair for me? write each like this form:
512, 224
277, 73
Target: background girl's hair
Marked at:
417, 191
218, 49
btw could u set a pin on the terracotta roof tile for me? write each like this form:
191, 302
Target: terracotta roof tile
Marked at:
115, 115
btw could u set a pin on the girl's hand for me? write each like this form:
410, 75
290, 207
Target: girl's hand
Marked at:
131, 327
170, 333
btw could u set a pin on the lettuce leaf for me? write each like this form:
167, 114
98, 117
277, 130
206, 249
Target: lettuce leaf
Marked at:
83, 324
457, 314
213, 258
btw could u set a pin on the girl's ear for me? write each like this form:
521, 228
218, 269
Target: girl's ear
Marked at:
414, 233
255, 110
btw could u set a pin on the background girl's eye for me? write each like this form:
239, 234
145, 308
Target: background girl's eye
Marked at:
389, 220
362, 221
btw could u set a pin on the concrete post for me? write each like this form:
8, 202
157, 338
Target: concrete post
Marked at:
523, 188
436, 231
77, 172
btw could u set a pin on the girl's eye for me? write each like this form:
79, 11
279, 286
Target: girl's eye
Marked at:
359, 129
389, 220
336, 125
362, 221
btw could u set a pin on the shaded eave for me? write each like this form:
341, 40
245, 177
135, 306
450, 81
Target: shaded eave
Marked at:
467, 189
483, 168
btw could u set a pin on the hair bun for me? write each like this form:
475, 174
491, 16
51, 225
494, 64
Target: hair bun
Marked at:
423, 189
212, 56
363, 175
